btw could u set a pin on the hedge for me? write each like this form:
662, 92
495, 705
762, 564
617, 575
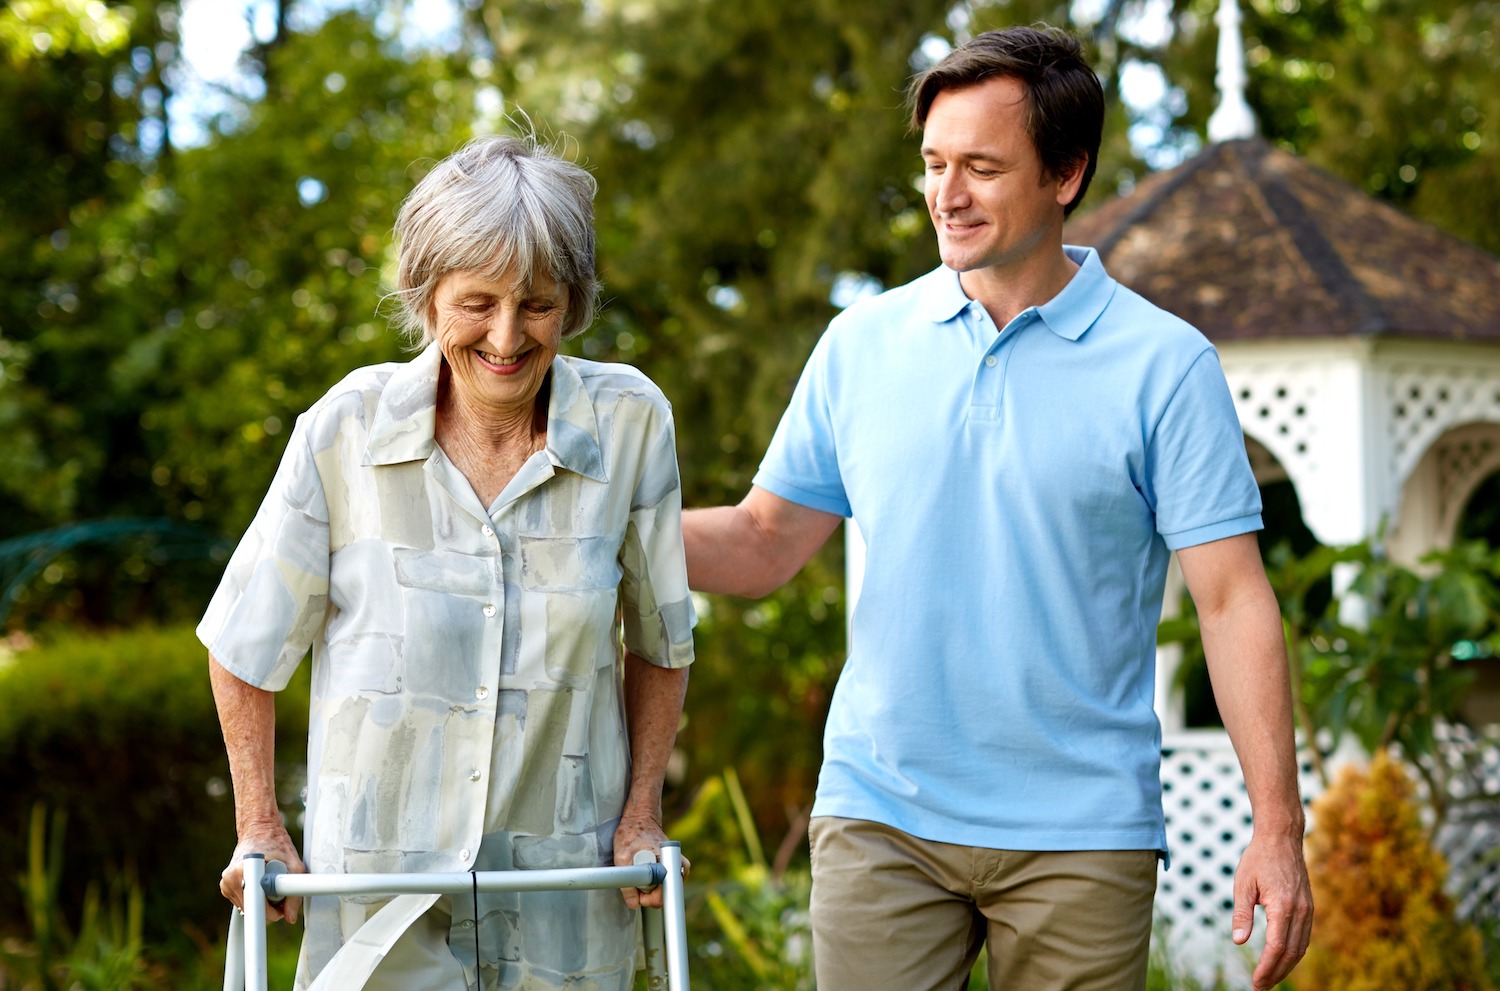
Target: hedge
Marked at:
119, 731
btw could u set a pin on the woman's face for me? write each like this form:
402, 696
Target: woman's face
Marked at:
499, 339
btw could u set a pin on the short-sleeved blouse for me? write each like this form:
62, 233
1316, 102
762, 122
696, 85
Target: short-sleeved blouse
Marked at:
466, 710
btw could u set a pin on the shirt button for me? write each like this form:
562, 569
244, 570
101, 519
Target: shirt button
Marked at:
466, 924
489, 610
991, 361
488, 531
481, 693
463, 855
474, 774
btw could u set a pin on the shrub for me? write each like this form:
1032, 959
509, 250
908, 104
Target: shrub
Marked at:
1383, 920
118, 732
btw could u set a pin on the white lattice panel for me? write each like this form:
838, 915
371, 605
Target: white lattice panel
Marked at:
1463, 458
1303, 410
1280, 406
1470, 838
1424, 401
1208, 826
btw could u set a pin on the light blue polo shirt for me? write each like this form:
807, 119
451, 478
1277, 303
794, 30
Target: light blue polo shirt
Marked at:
1019, 493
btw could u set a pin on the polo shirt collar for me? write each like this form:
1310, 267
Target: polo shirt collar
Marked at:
1082, 300
1068, 314
404, 427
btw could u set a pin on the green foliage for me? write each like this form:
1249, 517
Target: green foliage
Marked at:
748, 923
1384, 920
106, 952
1385, 661
119, 734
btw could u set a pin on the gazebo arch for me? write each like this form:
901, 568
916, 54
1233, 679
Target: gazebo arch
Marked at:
1439, 485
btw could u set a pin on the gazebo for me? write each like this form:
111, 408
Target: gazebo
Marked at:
1362, 348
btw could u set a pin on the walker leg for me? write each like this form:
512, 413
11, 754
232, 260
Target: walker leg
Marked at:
234, 952
656, 951
255, 922
675, 917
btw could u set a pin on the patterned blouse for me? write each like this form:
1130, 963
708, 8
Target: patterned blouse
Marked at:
466, 703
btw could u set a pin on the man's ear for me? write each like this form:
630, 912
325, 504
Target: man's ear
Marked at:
1070, 180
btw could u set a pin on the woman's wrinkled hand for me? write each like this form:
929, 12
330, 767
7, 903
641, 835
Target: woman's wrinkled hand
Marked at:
275, 844
636, 833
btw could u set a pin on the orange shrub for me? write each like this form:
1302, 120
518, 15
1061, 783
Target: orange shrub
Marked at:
1383, 920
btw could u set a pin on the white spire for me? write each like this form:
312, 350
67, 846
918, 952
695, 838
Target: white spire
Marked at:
1233, 118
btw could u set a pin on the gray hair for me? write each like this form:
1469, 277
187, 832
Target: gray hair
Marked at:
498, 204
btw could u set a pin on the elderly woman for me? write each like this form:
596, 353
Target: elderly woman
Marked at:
460, 540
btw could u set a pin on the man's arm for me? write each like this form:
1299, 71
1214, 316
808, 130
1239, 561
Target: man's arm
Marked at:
653, 708
1246, 651
754, 548
247, 716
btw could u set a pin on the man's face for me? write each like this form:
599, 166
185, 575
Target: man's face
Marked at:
991, 202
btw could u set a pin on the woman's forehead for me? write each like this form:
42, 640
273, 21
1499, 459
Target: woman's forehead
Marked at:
500, 281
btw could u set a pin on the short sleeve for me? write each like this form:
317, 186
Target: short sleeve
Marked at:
801, 465
1198, 477
273, 597
656, 606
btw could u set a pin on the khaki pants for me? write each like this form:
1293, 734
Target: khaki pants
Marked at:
891, 912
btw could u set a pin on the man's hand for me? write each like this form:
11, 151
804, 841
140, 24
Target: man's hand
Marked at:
1273, 874
274, 842
637, 833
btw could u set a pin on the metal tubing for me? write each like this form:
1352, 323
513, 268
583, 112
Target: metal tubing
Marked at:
675, 912
559, 879
653, 941
245, 959
254, 865
234, 952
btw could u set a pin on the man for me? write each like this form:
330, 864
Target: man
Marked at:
1022, 442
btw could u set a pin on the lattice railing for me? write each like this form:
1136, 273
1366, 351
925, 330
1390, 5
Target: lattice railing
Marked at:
1208, 825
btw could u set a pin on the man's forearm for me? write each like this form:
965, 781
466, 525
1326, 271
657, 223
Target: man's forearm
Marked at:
722, 550
754, 548
1247, 665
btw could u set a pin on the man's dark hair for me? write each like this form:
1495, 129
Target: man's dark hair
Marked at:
1065, 102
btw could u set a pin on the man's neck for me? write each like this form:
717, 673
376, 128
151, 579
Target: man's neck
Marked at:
1005, 291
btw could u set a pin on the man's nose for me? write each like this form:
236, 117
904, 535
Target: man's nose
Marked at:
952, 191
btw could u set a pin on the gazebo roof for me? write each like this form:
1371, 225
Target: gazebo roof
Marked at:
1247, 241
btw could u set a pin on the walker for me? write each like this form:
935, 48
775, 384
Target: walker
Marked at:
664, 930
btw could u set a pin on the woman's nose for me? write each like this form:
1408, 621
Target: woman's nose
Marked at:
505, 334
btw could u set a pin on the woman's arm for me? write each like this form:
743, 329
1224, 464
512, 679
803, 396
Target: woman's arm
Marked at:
653, 709
247, 716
